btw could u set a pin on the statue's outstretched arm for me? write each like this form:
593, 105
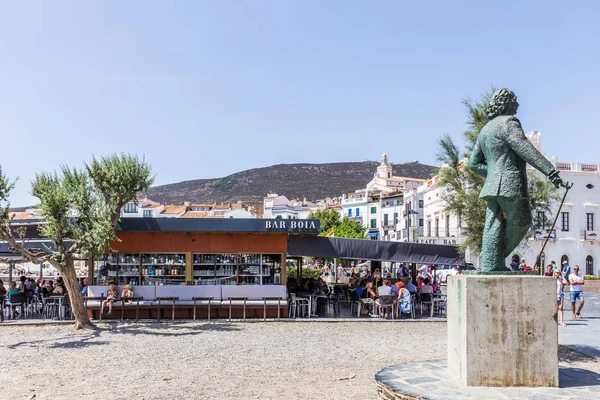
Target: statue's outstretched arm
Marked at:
477, 160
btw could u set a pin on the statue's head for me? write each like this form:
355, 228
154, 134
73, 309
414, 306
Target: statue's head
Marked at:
503, 102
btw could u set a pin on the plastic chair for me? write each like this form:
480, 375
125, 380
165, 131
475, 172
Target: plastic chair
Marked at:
384, 303
17, 300
298, 304
427, 300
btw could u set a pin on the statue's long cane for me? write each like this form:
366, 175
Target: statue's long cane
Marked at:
567, 186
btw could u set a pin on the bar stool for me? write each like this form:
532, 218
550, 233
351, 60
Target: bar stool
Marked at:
209, 299
278, 306
173, 299
237, 299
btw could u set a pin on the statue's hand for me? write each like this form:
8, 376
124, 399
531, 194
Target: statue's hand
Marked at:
555, 179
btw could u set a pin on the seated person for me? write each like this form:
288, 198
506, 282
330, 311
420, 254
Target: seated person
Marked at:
384, 290
394, 291
127, 292
111, 297
404, 303
48, 289
427, 287
59, 290
322, 286
410, 286
357, 292
13, 291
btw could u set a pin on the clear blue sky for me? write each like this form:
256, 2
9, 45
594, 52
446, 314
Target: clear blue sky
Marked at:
208, 88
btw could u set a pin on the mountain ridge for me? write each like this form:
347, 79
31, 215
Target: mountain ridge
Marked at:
296, 181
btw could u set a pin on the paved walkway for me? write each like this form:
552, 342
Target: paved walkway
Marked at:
431, 380
582, 334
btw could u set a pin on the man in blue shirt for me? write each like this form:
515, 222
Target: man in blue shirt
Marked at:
566, 269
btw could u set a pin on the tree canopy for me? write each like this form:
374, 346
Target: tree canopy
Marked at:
332, 223
79, 211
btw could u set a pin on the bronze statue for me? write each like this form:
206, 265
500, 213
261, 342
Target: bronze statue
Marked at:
500, 155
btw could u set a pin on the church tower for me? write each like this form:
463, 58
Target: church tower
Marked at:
385, 168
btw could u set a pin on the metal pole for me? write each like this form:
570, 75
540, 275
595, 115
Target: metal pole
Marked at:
567, 186
10, 272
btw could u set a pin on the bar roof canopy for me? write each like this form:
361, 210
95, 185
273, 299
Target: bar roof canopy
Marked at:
375, 250
231, 225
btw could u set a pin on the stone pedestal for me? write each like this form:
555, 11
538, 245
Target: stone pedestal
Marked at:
502, 330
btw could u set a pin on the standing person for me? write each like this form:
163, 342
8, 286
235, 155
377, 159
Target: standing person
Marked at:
554, 266
566, 269
84, 287
560, 296
548, 270
576, 281
514, 264
523, 265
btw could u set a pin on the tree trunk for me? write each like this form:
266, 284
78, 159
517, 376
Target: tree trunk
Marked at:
67, 271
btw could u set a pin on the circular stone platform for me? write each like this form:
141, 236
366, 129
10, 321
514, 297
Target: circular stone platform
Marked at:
431, 380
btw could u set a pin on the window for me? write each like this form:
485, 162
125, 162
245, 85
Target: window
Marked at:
447, 226
564, 258
278, 217
373, 210
420, 221
428, 228
358, 212
437, 227
147, 213
590, 221
395, 218
349, 212
565, 221
420, 203
541, 220
385, 219
373, 223
289, 217
130, 208
589, 265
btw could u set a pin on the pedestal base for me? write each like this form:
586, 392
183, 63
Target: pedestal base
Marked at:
502, 330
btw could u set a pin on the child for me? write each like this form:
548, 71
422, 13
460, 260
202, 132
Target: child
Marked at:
111, 297
127, 292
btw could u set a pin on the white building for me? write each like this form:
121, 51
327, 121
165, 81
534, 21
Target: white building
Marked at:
438, 226
281, 207
576, 236
142, 208
379, 206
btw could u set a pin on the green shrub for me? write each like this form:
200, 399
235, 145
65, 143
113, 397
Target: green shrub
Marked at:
591, 278
292, 272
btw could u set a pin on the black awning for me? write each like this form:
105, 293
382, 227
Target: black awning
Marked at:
375, 250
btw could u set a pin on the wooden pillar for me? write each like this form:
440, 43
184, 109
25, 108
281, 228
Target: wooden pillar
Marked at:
90, 265
189, 269
283, 274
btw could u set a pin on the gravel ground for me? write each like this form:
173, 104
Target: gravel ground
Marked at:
216, 361
209, 361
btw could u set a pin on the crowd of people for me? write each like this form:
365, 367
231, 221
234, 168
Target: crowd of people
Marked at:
35, 290
373, 288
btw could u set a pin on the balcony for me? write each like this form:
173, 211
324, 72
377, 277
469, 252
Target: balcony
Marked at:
590, 235
542, 234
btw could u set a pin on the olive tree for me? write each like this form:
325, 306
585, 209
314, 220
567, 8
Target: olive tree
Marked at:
79, 211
